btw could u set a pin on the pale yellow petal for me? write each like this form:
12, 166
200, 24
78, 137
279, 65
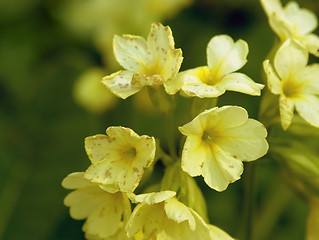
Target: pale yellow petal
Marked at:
225, 56
308, 109
160, 39
75, 180
120, 83
84, 200
309, 80
130, 51
286, 109
99, 147
155, 197
202, 90
246, 142
148, 218
193, 156
220, 169
178, 212
172, 65
273, 81
218, 234
271, 6
280, 26
304, 21
106, 219
290, 58
311, 41
240, 82
223, 117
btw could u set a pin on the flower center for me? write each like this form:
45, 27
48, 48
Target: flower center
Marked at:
207, 76
290, 89
129, 153
208, 137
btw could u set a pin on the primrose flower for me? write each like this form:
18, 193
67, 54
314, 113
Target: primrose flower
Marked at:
161, 216
296, 83
294, 22
118, 158
106, 212
217, 142
224, 57
154, 62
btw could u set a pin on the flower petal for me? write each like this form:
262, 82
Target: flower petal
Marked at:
155, 197
193, 156
225, 56
160, 39
303, 20
220, 169
311, 41
289, 59
308, 108
75, 180
120, 84
130, 51
99, 147
239, 82
84, 200
106, 219
286, 109
273, 81
218, 234
178, 212
246, 142
271, 6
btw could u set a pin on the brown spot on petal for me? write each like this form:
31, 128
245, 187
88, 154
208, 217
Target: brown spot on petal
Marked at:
108, 174
135, 169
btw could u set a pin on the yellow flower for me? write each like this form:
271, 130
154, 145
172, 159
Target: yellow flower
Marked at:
293, 22
224, 57
90, 93
161, 216
296, 83
105, 212
118, 158
154, 62
217, 142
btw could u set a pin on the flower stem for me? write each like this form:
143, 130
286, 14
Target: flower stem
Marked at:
249, 201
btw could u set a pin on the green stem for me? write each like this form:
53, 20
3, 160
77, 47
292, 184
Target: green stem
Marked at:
170, 133
249, 200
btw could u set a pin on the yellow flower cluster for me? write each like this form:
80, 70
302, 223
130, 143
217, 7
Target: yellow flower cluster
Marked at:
288, 74
218, 141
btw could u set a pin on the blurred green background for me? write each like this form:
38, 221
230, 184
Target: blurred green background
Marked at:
42, 128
